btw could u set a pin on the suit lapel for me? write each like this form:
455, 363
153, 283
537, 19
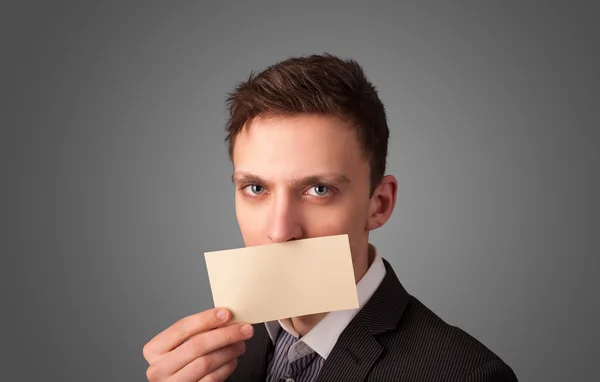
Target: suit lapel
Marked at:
353, 355
357, 348
252, 365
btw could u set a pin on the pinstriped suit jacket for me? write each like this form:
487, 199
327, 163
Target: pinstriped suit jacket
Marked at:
393, 338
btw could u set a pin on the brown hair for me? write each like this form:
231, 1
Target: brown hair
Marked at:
316, 84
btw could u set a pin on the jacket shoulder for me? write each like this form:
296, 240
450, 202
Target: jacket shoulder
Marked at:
425, 344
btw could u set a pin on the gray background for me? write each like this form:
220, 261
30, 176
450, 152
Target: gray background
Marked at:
115, 176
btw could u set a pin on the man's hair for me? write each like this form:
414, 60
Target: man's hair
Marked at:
315, 84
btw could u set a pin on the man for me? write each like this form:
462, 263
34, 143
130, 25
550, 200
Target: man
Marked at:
308, 141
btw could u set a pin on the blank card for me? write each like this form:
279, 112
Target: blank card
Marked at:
282, 280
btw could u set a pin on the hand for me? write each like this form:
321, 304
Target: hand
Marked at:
197, 348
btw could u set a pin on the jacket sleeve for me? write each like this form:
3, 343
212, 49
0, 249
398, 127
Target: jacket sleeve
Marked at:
492, 371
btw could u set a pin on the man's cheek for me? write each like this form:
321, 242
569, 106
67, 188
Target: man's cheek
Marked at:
250, 230
329, 225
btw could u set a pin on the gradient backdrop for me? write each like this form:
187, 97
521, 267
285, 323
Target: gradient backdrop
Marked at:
115, 176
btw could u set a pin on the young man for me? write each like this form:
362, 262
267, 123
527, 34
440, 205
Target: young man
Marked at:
308, 140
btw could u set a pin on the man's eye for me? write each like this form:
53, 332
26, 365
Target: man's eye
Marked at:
319, 190
255, 189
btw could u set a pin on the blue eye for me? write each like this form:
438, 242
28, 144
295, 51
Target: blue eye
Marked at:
257, 189
319, 190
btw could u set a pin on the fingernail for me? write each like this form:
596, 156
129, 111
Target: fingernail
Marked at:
247, 330
222, 314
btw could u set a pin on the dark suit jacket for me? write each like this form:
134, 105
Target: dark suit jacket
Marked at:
394, 337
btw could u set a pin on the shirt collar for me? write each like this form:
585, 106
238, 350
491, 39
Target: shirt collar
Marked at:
323, 336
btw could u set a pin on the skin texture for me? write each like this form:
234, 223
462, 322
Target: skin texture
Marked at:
296, 177
306, 176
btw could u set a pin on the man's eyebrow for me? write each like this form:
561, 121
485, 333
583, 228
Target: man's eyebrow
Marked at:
326, 178
311, 180
244, 177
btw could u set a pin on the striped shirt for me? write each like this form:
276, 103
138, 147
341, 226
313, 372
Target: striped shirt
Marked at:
293, 361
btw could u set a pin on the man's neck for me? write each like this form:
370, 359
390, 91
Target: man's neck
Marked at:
303, 324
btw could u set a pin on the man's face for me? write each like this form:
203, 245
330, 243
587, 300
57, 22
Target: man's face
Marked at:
299, 177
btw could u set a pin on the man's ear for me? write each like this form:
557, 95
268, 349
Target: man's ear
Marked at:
382, 202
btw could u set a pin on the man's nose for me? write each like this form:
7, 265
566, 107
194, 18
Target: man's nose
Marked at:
284, 220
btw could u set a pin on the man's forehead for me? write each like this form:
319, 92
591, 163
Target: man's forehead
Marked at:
265, 129
311, 148
285, 149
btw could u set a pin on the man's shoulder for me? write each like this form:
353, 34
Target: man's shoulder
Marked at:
427, 343
421, 327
